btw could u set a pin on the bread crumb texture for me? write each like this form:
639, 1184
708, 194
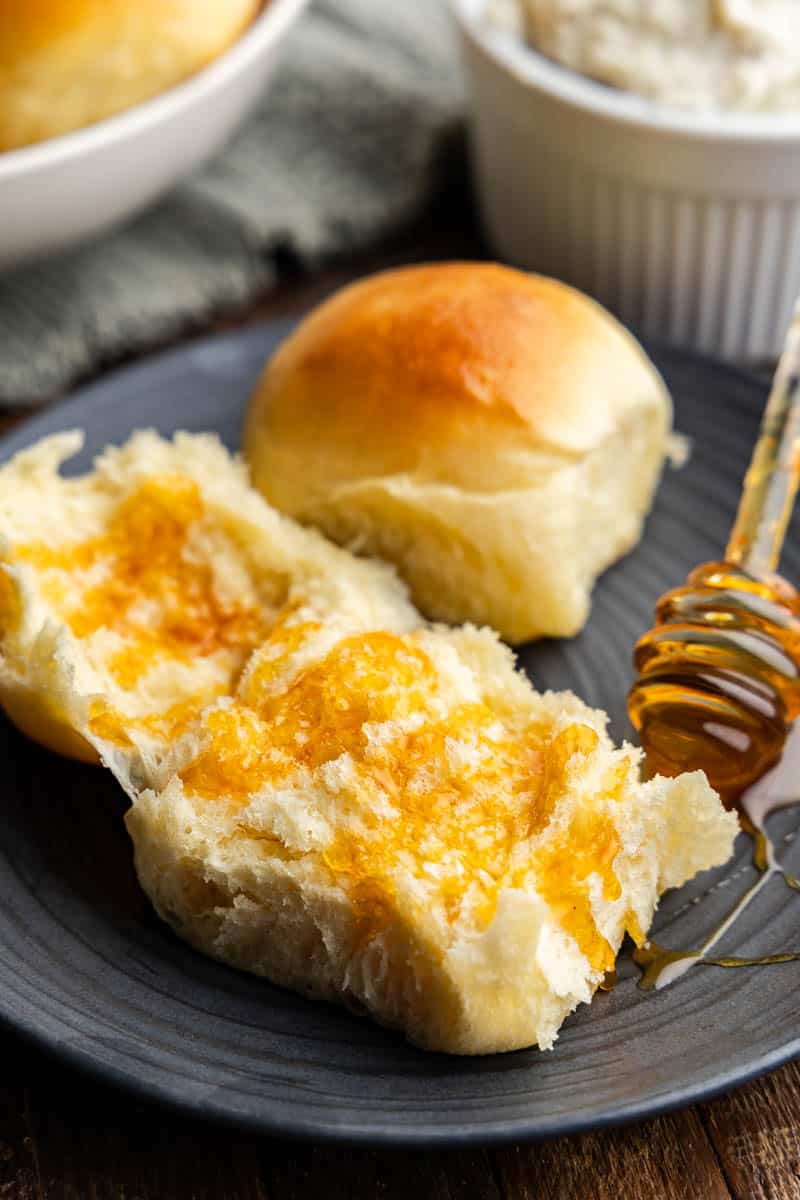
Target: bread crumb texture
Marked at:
326, 790
399, 819
133, 595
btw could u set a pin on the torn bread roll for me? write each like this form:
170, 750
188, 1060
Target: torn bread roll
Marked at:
326, 791
132, 595
496, 435
397, 821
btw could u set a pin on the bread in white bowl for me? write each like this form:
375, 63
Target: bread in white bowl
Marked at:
496, 435
65, 64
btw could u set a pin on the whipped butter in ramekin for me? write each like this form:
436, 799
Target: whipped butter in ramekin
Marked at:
668, 184
739, 55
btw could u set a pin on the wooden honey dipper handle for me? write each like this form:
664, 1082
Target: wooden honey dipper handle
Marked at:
772, 478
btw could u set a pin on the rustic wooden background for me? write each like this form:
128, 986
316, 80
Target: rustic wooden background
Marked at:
63, 1137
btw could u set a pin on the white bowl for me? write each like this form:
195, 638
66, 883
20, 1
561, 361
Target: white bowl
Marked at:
686, 225
59, 192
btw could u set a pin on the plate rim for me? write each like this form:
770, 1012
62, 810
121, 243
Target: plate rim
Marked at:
211, 1108
494, 1133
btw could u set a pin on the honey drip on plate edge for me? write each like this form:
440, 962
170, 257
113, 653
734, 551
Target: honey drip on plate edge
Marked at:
717, 689
661, 966
718, 683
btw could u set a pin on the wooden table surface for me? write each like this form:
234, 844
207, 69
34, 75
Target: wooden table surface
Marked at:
65, 1137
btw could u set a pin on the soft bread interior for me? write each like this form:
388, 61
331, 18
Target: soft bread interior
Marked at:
325, 790
398, 821
132, 596
521, 559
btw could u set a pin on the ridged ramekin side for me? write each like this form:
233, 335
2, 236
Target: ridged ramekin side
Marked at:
687, 236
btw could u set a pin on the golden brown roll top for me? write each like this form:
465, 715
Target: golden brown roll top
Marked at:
498, 435
68, 63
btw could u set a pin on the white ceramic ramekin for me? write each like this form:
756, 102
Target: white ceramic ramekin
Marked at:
686, 225
56, 193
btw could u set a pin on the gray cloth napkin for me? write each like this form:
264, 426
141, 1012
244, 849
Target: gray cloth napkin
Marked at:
345, 147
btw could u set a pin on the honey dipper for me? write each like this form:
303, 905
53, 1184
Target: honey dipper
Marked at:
718, 677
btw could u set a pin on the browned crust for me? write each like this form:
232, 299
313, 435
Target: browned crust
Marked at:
424, 357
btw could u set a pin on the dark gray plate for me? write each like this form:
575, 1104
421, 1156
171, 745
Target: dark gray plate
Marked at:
88, 971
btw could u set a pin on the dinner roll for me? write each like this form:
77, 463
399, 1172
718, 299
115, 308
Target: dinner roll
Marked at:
496, 435
133, 595
396, 821
325, 790
68, 63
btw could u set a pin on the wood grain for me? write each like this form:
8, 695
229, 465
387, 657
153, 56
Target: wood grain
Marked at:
756, 1134
18, 1168
89, 1143
328, 1173
669, 1158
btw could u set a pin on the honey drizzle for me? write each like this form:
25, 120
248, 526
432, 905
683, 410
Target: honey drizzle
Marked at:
655, 961
143, 555
503, 793
661, 966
